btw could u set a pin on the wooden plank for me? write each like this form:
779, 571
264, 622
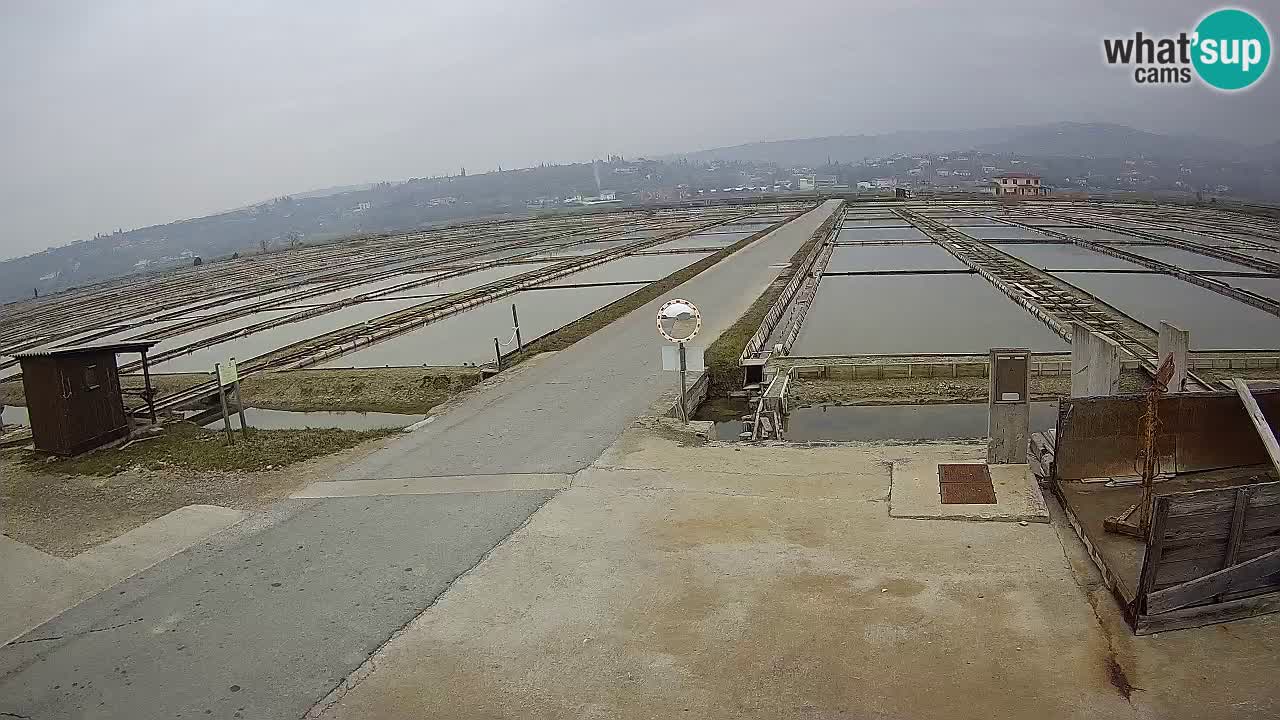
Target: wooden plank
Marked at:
1155, 547
1197, 502
1174, 573
1217, 525
1118, 586
1207, 614
1237, 528
1216, 583
1259, 422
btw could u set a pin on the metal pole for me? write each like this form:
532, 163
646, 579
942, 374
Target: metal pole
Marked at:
515, 320
684, 411
146, 380
222, 395
497, 351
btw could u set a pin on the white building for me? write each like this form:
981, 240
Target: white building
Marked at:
1017, 184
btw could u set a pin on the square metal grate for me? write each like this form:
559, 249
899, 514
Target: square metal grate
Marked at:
965, 484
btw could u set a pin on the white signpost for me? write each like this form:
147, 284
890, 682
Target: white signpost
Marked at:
679, 321
228, 376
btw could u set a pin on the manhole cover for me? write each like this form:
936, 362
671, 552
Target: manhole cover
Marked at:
967, 494
965, 484
964, 473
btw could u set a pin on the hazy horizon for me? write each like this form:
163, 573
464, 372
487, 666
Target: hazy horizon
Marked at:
129, 114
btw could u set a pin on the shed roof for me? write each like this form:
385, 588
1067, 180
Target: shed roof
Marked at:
48, 351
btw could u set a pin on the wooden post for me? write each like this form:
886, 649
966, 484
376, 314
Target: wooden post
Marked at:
244, 426
235, 386
497, 352
1259, 422
515, 320
222, 396
146, 383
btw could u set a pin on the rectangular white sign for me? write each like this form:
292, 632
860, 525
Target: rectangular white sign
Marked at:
693, 361
228, 373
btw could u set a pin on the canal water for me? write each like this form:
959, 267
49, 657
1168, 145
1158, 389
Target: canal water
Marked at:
705, 240
1265, 286
471, 280
1064, 256
893, 314
879, 233
870, 423
1004, 232
968, 221
468, 336
590, 248
250, 346
1185, 259
1097, 234
1216, 322
869, 258
873, 222
632, 269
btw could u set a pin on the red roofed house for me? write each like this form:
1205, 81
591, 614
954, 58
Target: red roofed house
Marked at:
1018, 184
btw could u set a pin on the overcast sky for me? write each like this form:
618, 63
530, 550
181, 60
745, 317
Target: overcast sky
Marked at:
125, 114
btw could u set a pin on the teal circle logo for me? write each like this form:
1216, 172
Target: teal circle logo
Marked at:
1232, 49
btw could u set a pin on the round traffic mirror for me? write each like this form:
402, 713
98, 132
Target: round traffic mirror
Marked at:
679, 320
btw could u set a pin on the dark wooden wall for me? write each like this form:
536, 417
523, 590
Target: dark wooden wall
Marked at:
69, 415
1213, 555
1100, 436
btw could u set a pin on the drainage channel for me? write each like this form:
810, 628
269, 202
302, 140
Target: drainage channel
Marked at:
873, 423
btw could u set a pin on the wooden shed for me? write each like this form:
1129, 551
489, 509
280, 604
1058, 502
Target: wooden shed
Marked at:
74, 398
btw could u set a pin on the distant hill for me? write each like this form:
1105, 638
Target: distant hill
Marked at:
1094, 140
1092, 150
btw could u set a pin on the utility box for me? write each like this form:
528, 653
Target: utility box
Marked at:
74, 398
1009, 408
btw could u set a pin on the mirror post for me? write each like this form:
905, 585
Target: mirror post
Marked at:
684, 411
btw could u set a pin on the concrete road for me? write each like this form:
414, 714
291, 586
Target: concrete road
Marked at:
265, 619
259, 623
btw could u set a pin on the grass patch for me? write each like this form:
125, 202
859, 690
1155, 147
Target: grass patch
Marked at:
721, 356
187, 447
588, 324
391, 390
